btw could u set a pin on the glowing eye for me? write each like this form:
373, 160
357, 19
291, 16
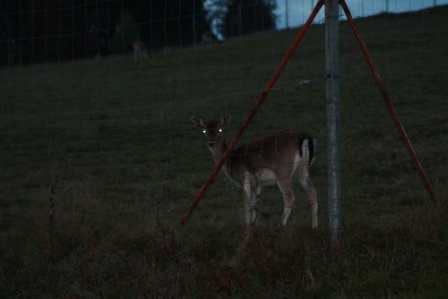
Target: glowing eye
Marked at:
220, 130
204, 131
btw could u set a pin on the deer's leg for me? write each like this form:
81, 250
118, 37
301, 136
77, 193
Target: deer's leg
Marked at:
257, 193
311, 193
285, 187
251, 191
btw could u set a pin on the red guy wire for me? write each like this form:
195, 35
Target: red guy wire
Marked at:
389, 104
251, 115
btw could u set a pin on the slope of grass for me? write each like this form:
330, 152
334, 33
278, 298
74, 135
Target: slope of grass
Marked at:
114, 140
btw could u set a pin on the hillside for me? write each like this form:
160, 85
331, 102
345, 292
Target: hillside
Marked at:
110, 144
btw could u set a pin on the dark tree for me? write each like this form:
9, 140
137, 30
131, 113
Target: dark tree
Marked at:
169, 22
10, 51
248, 16
53, 30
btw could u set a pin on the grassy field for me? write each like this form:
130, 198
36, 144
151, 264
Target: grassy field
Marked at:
110, 143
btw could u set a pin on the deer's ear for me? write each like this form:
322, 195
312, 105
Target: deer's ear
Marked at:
225, 120
197, 121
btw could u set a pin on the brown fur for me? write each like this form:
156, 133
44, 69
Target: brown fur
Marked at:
271, 159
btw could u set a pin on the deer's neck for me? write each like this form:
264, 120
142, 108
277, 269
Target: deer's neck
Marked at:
218, 151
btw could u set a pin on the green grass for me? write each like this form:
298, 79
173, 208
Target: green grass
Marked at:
117, 139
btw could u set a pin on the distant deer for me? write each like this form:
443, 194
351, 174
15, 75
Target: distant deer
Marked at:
208, 38
272, 159
140, 51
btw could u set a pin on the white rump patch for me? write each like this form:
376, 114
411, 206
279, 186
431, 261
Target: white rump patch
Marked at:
266, 177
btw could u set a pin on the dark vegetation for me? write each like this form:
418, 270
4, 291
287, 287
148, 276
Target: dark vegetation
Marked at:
53, 30
110, 144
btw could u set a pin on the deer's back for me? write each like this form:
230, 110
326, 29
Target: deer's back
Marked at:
272, 151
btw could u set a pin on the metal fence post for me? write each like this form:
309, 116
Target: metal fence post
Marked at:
333, 118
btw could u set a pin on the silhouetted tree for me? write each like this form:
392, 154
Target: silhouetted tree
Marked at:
53, 30
169, 22
247, 16
9, 32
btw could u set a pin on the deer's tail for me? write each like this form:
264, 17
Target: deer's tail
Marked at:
307, 148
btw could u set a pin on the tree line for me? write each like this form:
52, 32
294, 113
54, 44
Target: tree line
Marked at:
57, 30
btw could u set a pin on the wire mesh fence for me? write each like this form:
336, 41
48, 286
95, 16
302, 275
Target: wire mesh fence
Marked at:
99, 157
103, 117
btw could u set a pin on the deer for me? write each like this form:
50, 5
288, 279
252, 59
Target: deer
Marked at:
140, 51
208, 38
273, 159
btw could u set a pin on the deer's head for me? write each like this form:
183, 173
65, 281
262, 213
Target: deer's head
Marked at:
212, 130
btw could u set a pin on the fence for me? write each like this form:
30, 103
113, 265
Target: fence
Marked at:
99, 157
114, 129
